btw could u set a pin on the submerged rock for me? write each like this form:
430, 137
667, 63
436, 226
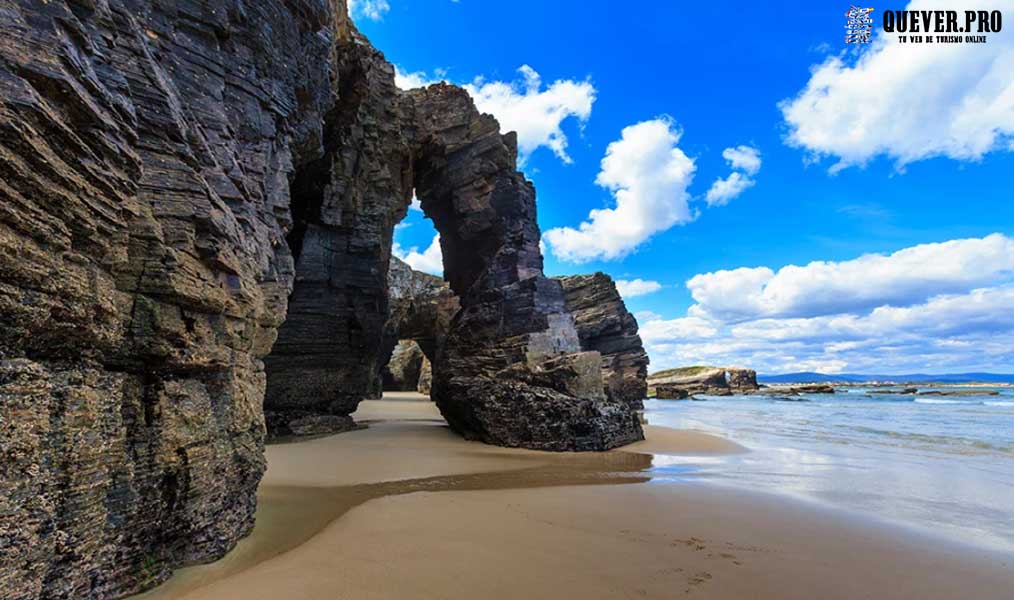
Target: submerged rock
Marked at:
960, 393
805, 388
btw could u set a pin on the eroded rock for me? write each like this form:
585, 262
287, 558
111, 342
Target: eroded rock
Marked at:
145, 155
684, 382
190, 191
425, 384
404, 367
605, 326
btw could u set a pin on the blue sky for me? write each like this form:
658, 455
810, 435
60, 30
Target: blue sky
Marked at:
887, 165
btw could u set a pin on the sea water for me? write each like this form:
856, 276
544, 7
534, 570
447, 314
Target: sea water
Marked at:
938, 463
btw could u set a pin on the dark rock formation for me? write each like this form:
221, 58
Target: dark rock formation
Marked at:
979, 392
421, 309
344, 206
404, 368
742, 381
176, 177
792, 390
512, 321
668, 391
604, 325
146, 149
685, 382
491, 379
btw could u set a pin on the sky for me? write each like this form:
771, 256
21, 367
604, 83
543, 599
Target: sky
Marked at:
764, 194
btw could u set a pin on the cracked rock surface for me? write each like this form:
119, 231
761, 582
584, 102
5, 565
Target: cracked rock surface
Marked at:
197, 203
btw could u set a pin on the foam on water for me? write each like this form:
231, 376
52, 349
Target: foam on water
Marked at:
945, 464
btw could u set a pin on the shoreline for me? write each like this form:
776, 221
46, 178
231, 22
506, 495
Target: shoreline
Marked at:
406, 508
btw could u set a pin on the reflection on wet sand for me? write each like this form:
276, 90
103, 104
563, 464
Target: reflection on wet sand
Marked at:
405, 508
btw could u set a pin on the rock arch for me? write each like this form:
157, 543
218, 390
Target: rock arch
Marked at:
511, 371
509, 368
197, 203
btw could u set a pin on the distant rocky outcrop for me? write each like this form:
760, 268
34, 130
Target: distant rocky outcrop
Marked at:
605, 326
794, 390
684, 382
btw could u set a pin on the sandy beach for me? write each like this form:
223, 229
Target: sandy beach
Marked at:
406, 509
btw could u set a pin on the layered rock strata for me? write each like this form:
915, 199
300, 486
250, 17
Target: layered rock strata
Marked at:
197, 202
425, 383
404, 368
684, 382
511, 371
146, 150
605, 326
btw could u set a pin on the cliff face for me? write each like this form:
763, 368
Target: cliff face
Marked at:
183, 183
146, 150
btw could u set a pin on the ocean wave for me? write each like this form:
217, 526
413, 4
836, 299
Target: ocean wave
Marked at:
999, 403
935, 401
961, 445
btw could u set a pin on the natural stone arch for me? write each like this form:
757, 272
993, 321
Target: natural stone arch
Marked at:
421, 309
174, 180
511, 371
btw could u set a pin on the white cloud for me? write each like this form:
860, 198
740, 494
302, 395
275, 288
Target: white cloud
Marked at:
747, 162
535, 114
659, 331
909, 101
373, 10
430, 260
905, 277
929, 308
648, 176
417, 79
743, 158
726, 189
631, 288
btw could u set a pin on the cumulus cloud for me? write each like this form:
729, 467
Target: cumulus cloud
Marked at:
746, 162
933, 307
743, 158
631, 288
648, 175
536, 114
430, 260
416, 79
909, 101
523, 106
373, 10
726, 189
904, 277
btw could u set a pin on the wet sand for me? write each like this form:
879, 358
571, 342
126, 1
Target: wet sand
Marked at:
406, 509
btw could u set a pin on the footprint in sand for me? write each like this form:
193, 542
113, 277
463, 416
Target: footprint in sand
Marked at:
697, 579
